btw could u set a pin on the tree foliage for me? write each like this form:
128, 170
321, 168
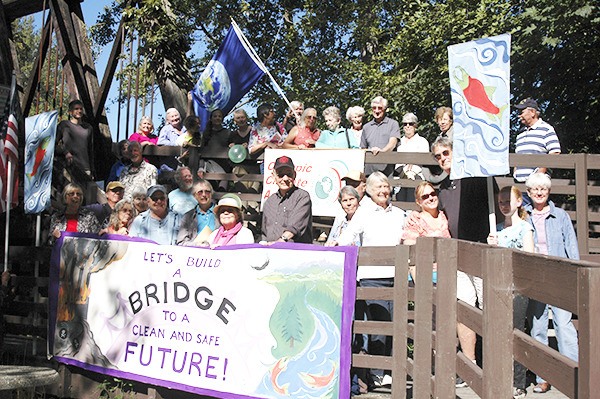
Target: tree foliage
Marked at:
344, 52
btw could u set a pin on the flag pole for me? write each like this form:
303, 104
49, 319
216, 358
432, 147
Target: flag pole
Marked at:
9, 178
241, 35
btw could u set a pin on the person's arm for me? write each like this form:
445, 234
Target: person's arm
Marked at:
569, 237
288, 143
528, 242
299, 219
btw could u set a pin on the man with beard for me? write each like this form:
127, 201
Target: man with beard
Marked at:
157, 223
182, 200
139, 173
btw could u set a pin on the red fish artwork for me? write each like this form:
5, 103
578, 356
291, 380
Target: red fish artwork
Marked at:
475, 92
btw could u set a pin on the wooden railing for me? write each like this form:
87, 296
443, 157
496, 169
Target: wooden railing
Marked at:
574, 286
574, 184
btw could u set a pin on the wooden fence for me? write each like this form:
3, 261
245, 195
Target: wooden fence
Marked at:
575, 184
574, 286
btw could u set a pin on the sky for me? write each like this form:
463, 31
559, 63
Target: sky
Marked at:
91, 10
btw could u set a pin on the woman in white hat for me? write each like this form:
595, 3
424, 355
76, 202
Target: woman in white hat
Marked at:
232, 230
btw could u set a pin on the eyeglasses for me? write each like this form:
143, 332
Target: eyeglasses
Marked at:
126, 210
432, 194
445, 153
409, 123
158, 198
311, 116
203, 192
376, 107
73, 194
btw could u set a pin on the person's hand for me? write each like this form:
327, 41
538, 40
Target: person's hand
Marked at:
69, 158
331, 244
245, 145
413, 218
492, 239
410, 175
301, 147
5, 278
56, 233
231, 145
290, 113
375, 150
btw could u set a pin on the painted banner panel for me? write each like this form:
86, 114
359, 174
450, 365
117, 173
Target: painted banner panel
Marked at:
244, 321
480, 88
319, 172
40, 136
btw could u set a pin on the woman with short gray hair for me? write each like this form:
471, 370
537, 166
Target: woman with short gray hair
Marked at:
355, 116
349, 199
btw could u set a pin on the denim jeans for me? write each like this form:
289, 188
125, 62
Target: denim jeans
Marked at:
566, 335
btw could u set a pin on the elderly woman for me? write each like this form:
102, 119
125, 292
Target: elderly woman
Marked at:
266, 132
355, 116
432, 221
145, 134
349, 199
75, 217
139, 172
120, 218
553, 235
444, 119
139, 200
336, 136
232, 230
305, 134
377, 224
410, 142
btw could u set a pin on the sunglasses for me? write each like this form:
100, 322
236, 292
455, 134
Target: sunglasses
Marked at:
445, 153
289, 174
409, 124
158, 198
432, 194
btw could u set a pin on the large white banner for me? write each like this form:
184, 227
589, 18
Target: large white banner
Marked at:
480, 87
237, 322
319, 172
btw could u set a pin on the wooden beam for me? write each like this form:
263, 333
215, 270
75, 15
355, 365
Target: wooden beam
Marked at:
111, 68
34, 79
14, 9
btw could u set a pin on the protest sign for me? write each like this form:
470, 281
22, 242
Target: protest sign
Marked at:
237, 322
480, 88
319, 172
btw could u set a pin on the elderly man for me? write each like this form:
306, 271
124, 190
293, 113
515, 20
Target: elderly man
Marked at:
182, 200
139, 172
200, 221
465, 203
171, 131
157, 223
358, 180
380, 135
293, 115
114, 193
538, 137
287, 213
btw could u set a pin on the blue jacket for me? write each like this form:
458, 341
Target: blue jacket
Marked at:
560, 234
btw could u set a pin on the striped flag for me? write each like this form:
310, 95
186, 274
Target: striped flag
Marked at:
9, 150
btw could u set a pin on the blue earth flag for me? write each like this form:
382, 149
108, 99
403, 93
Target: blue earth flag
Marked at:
232, 72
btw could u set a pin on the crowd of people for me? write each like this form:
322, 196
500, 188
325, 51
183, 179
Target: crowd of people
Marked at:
138, 205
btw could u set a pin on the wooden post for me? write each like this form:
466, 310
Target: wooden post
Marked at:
399, 318
588, 384
423, 317
497, 323
445, 319
581, 198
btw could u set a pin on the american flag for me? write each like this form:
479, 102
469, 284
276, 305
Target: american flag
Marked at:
9, 150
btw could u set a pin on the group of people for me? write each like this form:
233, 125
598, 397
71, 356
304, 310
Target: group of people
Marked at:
139, 207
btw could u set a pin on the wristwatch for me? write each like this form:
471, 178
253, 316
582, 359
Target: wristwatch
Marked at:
284, 238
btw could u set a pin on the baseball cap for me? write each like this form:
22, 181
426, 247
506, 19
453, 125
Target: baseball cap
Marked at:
115, 184
155, 188
355, 175
284, 162
528, 103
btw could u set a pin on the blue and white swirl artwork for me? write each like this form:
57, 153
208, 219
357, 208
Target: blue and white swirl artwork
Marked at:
40, 136
480, 87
